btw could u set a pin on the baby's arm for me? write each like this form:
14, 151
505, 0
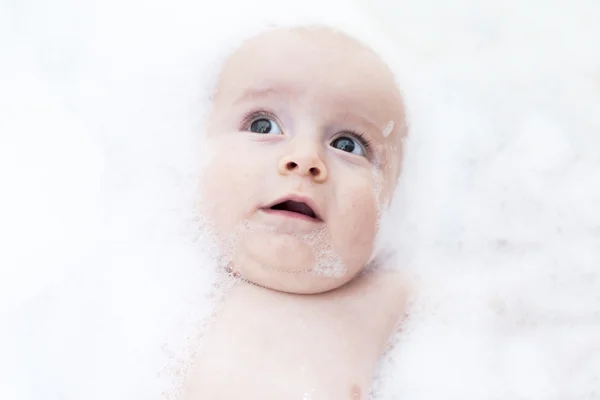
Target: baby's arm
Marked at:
270, 345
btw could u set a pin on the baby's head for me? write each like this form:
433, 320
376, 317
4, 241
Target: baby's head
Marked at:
305, 135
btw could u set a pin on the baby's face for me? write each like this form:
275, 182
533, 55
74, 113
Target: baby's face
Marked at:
305, 134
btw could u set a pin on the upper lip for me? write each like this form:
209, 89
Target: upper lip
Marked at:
299, 199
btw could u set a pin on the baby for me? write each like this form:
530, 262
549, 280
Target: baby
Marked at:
306, 132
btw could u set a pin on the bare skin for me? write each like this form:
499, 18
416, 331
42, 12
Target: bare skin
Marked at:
287, 332
272, 345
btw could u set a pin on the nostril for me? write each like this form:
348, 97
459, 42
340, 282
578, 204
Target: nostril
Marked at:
314, 171
292, 165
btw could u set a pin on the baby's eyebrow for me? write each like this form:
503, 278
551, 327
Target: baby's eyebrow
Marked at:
251, 94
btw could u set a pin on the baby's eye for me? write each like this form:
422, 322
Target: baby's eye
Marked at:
265, 126
350, 145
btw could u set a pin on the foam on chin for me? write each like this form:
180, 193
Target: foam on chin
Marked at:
319, 259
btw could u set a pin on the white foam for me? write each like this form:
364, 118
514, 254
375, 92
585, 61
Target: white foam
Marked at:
496, 202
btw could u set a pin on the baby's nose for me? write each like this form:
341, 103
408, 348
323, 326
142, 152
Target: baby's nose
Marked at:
309, 165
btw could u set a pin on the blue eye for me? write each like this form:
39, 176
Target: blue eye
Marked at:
350, 145
265, 126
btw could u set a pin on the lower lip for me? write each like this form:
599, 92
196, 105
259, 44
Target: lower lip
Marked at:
290, 215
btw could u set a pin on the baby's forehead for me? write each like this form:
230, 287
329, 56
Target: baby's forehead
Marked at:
296, 52
294, 61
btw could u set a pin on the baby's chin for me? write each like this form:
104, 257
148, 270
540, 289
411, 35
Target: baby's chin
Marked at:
289, 263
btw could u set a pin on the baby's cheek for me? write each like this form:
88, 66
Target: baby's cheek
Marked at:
219, 181
357, 221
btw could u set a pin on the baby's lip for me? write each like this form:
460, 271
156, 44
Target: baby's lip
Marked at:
300, 201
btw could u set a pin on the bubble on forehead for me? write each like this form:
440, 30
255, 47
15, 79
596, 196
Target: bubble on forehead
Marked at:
388, 129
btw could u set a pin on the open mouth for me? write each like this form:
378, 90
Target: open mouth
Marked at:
296, 207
